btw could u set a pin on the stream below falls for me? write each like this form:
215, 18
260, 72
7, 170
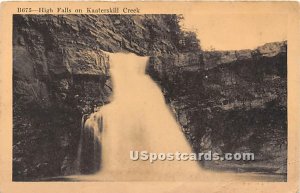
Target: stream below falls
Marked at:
137, 119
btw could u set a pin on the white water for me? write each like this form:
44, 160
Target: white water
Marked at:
138, 119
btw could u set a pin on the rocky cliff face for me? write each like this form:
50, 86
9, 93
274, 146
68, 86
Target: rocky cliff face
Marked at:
230, 101
224, 101
61, 74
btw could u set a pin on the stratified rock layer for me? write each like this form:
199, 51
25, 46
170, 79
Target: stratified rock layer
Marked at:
225, 101
62, 74
230, 102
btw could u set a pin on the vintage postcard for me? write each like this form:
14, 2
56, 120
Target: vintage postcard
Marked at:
149, 97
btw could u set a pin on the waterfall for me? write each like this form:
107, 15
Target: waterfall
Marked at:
137, 119
77, 164
89, 151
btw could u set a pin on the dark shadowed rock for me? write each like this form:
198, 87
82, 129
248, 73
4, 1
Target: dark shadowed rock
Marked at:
225, 101
233, 101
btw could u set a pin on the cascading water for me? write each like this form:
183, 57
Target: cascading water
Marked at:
137, 119
89, 150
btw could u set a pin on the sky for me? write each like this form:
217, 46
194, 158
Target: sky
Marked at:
236, 31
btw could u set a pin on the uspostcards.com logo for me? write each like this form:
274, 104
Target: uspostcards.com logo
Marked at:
179, 156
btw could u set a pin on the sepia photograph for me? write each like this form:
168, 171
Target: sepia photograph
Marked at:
88, 89
126, 96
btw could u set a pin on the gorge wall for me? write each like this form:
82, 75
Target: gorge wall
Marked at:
225, 101
230, 101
